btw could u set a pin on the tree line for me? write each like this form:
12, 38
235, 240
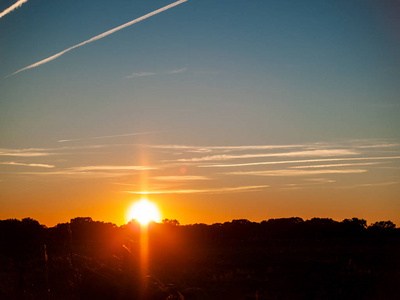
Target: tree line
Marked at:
20, 238
87, 259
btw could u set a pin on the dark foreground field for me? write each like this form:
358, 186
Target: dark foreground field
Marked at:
274, 259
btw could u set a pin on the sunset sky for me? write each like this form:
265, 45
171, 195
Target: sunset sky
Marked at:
212, 109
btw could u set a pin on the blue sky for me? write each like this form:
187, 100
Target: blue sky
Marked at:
202, 74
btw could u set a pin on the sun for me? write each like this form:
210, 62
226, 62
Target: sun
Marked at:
144, 212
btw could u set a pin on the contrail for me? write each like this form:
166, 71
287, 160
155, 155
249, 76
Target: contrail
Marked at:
106, 136
100, 36
12, 7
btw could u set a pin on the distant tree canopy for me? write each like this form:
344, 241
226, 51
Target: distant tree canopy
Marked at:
383, 225
23, 238
171, 222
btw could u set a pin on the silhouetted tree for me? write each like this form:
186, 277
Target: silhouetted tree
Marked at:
353, 227
282, 228
320, 228
383, 225
171, 222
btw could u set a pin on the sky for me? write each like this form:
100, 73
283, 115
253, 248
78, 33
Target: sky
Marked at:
214, 110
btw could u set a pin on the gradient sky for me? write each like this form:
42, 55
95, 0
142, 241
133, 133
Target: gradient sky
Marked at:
216, 109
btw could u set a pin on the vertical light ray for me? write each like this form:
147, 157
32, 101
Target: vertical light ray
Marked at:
144, 260
144, 234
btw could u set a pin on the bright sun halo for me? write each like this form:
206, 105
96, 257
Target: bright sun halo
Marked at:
144, 212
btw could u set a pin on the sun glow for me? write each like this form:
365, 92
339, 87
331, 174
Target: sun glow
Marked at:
144, 212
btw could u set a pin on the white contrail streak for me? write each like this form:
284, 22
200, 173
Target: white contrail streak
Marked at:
12, 7
100, 36
106, 137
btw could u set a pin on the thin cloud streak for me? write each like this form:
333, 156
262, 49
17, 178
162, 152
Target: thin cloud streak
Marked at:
11, 163
334, 166
223, 148
180, 178
107, 136
296, 172
26, 154
205, 191
321, 180
178, 71
75, 174
297, 161
373, 184
95, 171
144, 74
141, 74
332, 152
314, 183
36, 152
112, 168
24, 150
100, 36
12, 7
379, 146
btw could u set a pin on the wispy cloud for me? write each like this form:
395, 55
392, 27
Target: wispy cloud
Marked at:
321, 180
75, 174
12, 7
26, 154
144, 74
178, 71
378, 184
100, 36
334, 165
375, 184
298, 161
315, 153
106, 136
307, 184
141, 74
310, 183
296, 172
222, 148
181, 178
36, 152
112, 168
90, 172
204, 191
383, 145
12, 163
